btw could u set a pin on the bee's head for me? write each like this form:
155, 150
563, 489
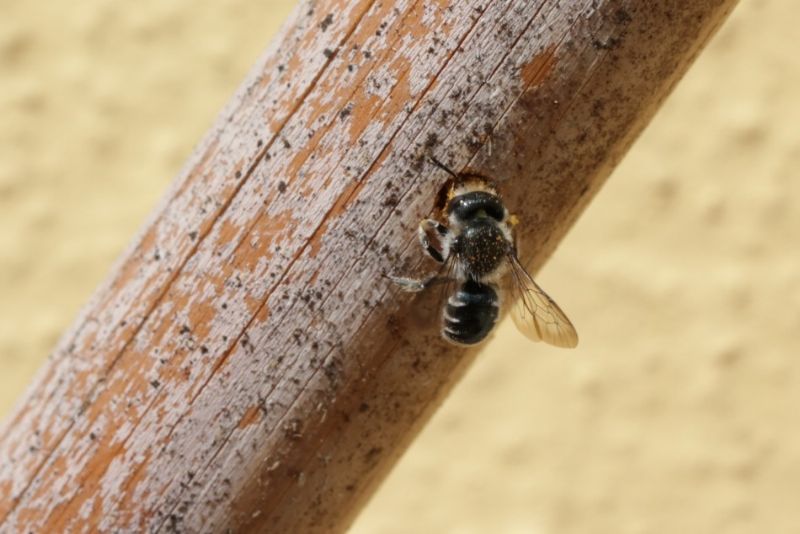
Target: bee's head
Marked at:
473, 201
469, 198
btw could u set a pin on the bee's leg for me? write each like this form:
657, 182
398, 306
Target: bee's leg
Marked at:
413, 285
435, 239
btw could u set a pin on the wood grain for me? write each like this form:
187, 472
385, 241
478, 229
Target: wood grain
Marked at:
246, 367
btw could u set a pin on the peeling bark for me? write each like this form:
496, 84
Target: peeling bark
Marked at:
246, 366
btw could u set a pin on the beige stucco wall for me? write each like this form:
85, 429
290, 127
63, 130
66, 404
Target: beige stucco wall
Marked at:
678, 412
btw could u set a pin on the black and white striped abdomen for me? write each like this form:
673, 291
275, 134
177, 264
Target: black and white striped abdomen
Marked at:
471, 313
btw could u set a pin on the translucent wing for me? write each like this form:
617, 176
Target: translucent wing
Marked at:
448, 288
536, 314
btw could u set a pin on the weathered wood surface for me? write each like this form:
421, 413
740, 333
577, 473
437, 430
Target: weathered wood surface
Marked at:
246, 367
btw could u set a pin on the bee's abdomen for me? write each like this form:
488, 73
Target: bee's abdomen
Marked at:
471, 313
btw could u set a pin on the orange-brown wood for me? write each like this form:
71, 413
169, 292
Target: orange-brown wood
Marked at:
246, 366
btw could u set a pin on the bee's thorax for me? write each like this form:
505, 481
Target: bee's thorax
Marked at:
482, 246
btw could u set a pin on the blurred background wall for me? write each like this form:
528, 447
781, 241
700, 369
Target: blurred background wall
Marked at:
678, 412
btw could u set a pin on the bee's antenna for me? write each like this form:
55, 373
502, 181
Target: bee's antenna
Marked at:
444, 167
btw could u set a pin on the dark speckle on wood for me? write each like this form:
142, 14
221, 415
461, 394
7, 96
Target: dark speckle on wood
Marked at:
326, 22
431, 140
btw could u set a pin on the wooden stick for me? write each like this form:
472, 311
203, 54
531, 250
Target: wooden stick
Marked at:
246, 367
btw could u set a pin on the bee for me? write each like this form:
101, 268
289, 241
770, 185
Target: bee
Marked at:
478, 250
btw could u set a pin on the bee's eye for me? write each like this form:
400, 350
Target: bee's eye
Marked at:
496, 211
469, 205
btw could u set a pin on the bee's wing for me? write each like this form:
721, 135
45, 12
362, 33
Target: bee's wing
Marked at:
448, 287
536, 314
